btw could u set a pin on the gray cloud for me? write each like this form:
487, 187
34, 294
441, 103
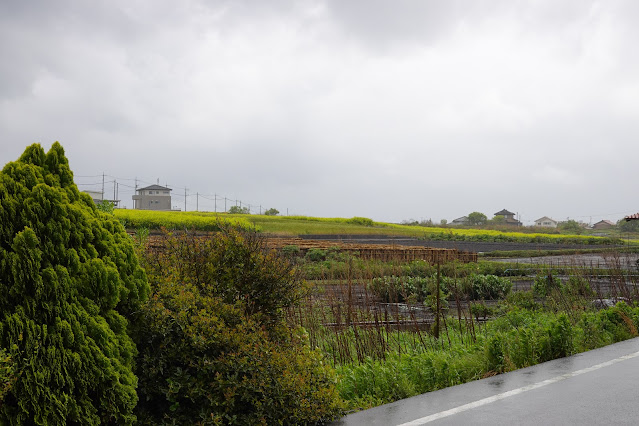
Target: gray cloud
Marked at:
390, 110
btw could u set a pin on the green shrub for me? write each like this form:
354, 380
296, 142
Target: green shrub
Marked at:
361, 221
291, 250
105, 206
316, 255
523, 299
214, 348
480, 310
69, 278
579, 286
480, 287
544, 284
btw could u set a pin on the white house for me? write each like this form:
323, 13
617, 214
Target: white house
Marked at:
546, 222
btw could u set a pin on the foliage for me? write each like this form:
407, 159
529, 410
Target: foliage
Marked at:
214, 346
523, 300
239, 210
498, 220
544, 284
291, 250
69, 278
477, 218
403, 288
479, 286
628, 225
481, 310
272, 212
316, 254
105, 206
474, 287
570, 227
361, 221
520, 338
7, 373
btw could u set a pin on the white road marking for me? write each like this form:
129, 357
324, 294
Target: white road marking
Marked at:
514, 392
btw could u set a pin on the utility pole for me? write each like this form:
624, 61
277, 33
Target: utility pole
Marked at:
114, 191
215, 201
438, 307
184, 199
135, 202
102, 185
224, 204
197, 201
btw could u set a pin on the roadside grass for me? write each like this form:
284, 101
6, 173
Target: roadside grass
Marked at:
518, 339
385, 349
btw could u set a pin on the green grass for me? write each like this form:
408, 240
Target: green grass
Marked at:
518, 339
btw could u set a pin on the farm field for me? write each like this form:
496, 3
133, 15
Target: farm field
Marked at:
302, 225
393, 326
378, 324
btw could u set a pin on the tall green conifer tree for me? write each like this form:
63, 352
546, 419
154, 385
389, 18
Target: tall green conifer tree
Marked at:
69, 278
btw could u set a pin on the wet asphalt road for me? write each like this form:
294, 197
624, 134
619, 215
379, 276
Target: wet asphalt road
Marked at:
596, 387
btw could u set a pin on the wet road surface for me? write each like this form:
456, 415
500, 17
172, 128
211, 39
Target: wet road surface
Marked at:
596, 387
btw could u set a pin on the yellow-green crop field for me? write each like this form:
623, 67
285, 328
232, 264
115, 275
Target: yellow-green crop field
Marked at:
304, 225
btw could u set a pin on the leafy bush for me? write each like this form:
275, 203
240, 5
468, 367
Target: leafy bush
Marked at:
291, 250
481, 310
105, 206
316, 255
69, 278
400, 289
608, 326
544, 284
239, 210
523, 299
361, 221
214, 346
579, 286
481, 287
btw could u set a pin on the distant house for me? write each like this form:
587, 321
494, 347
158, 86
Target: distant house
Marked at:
460, 221
603, 224
546, 222
154, 197
632, 217
509, 217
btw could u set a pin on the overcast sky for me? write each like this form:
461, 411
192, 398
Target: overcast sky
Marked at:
386, 109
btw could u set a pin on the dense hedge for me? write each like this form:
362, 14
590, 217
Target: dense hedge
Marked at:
69, 278
214, 348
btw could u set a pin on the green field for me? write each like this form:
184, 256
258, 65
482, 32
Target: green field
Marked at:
304, 225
